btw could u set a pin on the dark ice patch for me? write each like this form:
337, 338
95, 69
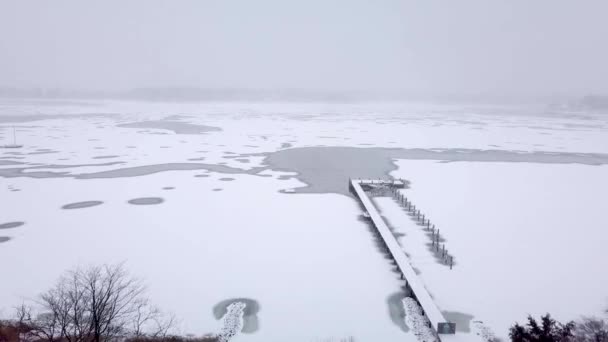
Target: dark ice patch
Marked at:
81, 205
146, 201
176, 126
10, 225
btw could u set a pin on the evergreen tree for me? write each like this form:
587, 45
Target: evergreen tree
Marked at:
549, 330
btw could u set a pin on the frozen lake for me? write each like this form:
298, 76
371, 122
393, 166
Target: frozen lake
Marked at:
209, 203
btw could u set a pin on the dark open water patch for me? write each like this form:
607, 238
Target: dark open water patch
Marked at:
462, 320
251, 322
42, 152
156, 168
28, 118
326, 169
9, 225
81, 205
226, 179
21, 171
168, 188
218, 189
4, 239
10, 162
396, 311
176, 126
105, 157
146, 201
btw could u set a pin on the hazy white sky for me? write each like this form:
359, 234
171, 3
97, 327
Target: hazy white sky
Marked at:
425, 46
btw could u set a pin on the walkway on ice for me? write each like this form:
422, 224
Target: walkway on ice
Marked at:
446, 330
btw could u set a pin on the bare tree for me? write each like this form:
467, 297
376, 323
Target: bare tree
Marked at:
150, 321
46, 327
23, 321
591, 329
162, 325
113, 298
144, 314
97, 304
65, 311
23, 314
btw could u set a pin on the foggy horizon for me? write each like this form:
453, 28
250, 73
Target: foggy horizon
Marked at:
472, 48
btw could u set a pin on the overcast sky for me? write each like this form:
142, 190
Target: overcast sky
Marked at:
427, 46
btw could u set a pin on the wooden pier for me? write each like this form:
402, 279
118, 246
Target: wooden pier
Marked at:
438, 322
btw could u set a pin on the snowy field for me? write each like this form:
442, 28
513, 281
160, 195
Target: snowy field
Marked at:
211, 202
527, 238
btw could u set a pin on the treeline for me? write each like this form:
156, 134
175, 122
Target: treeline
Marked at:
588, 329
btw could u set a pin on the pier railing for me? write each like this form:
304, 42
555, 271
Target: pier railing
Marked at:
419, 292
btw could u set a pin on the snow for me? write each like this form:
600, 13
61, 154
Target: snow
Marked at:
233, 321
306, 258
427, 303
484, 331
415, 319
522, 235
416, 238
516, 230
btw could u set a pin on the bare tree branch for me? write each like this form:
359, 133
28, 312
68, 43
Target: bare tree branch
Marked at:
95, 304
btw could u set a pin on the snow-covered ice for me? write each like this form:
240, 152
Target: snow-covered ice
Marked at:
527, 238
251, 201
